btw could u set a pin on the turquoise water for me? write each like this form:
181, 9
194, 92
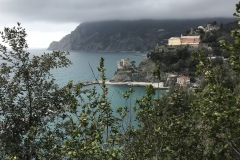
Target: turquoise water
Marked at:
80, 71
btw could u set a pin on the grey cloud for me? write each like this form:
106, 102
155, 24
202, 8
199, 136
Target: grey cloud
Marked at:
48, 20
76, 11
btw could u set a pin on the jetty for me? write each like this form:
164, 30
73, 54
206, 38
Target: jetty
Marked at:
129, 83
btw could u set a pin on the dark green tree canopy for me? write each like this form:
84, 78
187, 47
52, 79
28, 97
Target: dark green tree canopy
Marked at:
29, 95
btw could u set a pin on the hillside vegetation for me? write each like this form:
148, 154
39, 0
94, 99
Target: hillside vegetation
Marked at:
178, 59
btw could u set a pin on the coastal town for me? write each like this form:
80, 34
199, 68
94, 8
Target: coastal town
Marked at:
128, 73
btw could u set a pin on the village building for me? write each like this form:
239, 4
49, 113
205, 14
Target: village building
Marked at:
174, 41
190, 40
209, 27
183, 80
184, 40
123, 63
201, 27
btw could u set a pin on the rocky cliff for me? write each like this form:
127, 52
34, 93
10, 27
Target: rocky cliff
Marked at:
146, 68
140, 35
144, 73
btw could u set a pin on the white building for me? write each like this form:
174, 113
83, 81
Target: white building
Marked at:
201, 27
209, 27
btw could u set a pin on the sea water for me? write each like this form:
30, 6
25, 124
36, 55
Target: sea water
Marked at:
84, 68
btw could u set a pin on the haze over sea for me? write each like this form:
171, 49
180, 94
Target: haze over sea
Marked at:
80, 71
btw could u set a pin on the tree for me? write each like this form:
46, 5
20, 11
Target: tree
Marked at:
214, 23
133, 64
217, 61
216, 112
217, 51
148, 55
221, 26
89, 130
203, 123
29, 99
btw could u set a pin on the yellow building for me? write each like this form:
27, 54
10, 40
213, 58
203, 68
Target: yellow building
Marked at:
174, 41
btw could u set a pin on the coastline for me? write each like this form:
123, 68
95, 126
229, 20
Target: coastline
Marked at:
155, 85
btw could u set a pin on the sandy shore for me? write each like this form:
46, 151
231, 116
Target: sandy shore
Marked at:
155, 85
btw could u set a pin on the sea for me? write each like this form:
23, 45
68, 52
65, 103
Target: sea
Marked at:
84, 68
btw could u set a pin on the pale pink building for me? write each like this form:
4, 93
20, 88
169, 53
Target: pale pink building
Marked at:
190, 40
183, 80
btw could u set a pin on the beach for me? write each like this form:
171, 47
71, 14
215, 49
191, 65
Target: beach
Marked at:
155, 85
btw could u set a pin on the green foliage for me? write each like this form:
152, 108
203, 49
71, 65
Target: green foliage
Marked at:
217, 111
209, 37
201, 123
90, 130
29, 98
197, 124
173, 61
156, 71
217, 61
217, 51
162, 131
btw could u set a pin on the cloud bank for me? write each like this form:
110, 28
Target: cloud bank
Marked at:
48, 20
76, 11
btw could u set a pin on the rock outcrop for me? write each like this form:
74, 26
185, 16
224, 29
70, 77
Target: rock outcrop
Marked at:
146, 68
142, 73
122, 76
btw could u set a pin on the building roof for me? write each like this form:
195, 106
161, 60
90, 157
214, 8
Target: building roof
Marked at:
172, 75
175, 38
190, 36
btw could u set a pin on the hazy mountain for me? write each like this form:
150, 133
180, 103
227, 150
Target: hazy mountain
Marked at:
139, 35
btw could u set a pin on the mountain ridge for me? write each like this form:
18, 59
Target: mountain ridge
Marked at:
117, 35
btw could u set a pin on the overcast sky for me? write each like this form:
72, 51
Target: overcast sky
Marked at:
48, 20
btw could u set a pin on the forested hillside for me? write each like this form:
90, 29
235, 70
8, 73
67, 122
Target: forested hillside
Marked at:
139, 35
178, 58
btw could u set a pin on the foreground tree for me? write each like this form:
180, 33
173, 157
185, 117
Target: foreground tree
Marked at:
39, 120
198, 124
88, 129
29, 97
